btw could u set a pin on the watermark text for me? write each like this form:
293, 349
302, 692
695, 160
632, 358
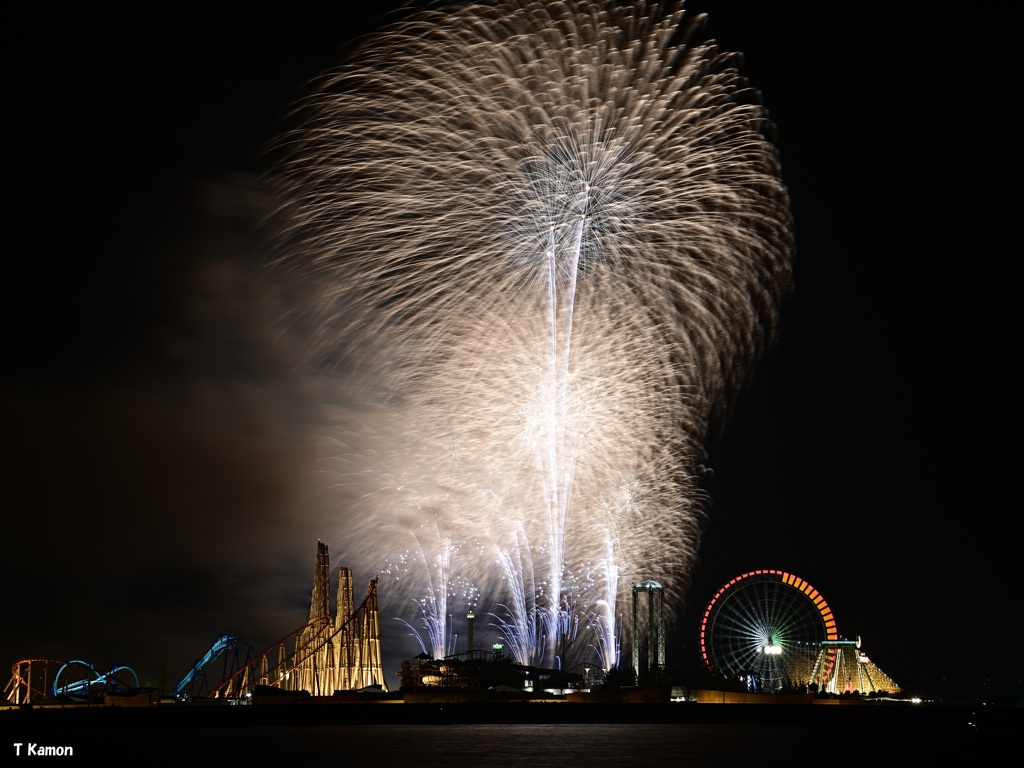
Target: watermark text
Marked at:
31, 749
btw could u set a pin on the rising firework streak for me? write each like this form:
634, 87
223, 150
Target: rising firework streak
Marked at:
548, 243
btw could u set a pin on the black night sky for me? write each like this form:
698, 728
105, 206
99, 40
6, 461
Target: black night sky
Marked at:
153, 434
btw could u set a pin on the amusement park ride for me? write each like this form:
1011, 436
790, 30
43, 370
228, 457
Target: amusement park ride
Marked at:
765, 631
771, 631
327, 655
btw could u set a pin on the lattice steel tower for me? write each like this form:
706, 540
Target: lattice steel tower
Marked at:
341, 654
655, 626
320, 605
315, 657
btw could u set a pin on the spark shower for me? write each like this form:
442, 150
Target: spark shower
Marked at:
546, 242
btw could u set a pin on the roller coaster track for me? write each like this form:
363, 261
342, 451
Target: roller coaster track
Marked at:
322, 632
222, 647
21, 689
358, 663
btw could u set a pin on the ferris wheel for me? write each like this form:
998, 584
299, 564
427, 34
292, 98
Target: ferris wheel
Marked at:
765, 629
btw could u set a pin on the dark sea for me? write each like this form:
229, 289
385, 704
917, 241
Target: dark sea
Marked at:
784, 739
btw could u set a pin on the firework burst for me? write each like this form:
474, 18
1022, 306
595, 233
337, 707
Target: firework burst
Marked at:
551, 241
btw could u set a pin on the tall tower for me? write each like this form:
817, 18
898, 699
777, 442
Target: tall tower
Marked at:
345, 631
342, 654
315, 671
356, 638
319, 606
655, 626
345, 606
368, 669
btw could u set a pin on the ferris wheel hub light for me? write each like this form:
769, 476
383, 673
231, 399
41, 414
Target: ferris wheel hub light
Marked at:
773, 650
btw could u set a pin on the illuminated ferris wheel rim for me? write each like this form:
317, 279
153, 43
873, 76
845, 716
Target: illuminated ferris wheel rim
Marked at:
769, 576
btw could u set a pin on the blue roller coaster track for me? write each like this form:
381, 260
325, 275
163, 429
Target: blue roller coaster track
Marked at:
111, 679
235, 654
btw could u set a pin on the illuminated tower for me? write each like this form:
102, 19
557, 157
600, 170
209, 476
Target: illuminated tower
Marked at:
345, 607
339, 655
319, 606
356, 638
655, 626
367, 669
314, 654
345, 630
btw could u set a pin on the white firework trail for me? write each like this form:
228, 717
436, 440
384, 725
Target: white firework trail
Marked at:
433, 564
551, 240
